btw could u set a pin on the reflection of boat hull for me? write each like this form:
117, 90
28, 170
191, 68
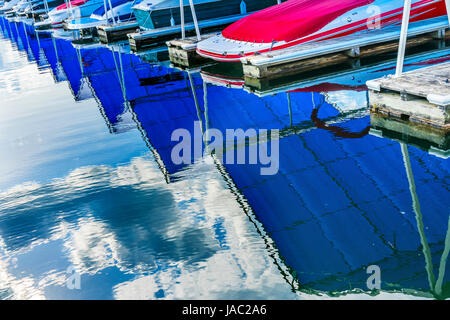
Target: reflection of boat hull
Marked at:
160, 14
298, 21
224, 74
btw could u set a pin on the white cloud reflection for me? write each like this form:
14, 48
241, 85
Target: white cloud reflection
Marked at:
200, 245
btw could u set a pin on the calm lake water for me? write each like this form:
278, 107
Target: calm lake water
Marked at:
88, 186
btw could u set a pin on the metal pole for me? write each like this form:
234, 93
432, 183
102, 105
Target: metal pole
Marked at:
112, 12
403, 38
46, 6
183, 32
31, 7
69, 8
69, 5
447, 4
106, 10
194, 17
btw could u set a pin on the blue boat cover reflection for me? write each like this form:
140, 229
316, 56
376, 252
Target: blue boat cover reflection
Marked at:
327, 241
342, 199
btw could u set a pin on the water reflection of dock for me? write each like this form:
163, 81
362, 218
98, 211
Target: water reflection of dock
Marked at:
433, 140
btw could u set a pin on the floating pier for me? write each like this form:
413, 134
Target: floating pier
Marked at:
42, 25
117, 32
421, 96
316, 55
348, 75
182, 52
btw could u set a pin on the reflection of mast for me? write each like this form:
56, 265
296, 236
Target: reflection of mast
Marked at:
11, 35
84, 92
288, 95
197, 106
121, 75
205, 105
435, 286
29, 51
418, 212
19, 40
443, 263
3, 24
60, 74
41, 58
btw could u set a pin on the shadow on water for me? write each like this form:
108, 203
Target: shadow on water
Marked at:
350, 192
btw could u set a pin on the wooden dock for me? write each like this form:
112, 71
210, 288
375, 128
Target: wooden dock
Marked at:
420, 96
316, 55
117, 32
182, 52
43, 25
347, 74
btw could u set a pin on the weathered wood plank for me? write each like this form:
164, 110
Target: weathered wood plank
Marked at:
117, 32
182, 52
433, 80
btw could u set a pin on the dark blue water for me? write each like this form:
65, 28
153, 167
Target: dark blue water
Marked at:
87, 183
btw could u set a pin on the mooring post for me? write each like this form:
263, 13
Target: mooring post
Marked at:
403, 38
183, 32
194, 17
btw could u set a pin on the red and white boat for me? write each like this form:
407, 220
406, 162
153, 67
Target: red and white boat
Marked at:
296, 22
